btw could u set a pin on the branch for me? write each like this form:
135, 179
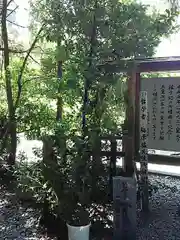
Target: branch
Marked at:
16, 24
23, 67
34, 60
14, 50
40, 48
12, 11
9, 3
19, 51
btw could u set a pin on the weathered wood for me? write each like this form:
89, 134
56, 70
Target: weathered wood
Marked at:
159, 66
137, 111
109, 154
125, 132
143, 65
144, 150
97, 160
110, 137
130, 126
113, 161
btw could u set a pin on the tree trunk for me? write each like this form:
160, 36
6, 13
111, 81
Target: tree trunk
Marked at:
59, 98
13, 141
11, 118
88, 80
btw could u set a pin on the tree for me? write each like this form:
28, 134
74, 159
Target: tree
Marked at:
12, 99
174, 4
95, 34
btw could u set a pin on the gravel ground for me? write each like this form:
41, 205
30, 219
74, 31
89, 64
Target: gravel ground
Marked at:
163, 221
18, 222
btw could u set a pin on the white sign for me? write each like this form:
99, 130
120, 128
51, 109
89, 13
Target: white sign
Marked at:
163, 96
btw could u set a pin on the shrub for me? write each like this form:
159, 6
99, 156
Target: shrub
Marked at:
55, 180
31, 184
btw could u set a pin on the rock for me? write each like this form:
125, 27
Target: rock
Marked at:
2, 218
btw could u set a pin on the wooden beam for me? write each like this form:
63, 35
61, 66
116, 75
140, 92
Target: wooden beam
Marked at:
158, 66
109, 154
143, 65
111, 138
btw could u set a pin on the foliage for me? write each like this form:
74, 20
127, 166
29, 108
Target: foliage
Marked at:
118, 29
72, 175
30, 182
66, 178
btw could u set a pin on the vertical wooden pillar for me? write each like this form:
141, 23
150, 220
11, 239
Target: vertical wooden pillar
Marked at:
130, 123
137, 113
113, 156
124, 137
144, 151
112, 163
96, 158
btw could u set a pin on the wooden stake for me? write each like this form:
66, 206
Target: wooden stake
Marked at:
144, 150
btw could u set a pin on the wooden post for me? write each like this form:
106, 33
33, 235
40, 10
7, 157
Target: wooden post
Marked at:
112, 162
130, 123
124, 137
96, 158
137, 112
113, 156
144, 150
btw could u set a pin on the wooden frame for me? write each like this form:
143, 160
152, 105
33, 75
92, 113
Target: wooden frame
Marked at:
148, 66
158, 65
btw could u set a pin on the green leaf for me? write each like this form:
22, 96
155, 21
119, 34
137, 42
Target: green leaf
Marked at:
61, 53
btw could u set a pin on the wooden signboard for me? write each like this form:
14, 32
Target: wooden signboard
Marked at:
144, 150
163, 95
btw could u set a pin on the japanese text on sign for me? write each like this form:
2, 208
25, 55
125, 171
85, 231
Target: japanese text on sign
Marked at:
163, 96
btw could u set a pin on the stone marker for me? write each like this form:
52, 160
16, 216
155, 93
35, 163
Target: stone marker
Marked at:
124, 205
